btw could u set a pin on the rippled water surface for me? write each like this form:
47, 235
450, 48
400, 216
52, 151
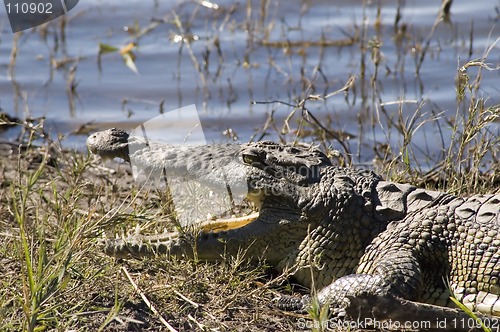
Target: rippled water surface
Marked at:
240, 52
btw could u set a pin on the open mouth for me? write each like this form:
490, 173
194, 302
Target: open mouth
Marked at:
225, 221
224, 224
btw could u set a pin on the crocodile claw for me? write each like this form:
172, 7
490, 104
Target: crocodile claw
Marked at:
292, 303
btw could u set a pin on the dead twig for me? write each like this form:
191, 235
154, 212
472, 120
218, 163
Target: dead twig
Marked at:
146, 300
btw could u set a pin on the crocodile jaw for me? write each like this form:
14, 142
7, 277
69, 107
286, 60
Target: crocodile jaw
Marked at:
172, 243
226, 224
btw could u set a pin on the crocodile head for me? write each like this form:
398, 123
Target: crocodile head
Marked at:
276, 177
260, 170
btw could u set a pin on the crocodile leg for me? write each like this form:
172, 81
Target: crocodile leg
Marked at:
388, 296
396, 274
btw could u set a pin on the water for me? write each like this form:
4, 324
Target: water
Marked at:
247, 70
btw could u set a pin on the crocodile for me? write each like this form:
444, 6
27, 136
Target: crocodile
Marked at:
343, 231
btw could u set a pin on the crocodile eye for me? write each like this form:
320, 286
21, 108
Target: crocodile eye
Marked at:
250, 159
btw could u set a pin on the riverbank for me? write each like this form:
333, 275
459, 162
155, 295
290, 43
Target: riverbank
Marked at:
56, 206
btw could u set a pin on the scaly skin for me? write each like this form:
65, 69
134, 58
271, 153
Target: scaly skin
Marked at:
356, 233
